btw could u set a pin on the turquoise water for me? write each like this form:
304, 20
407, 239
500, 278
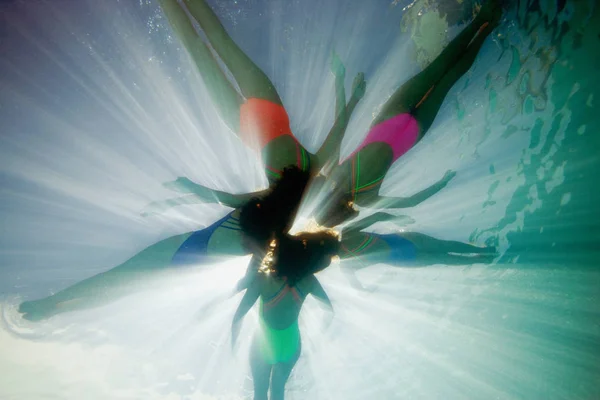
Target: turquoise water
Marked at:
99, 105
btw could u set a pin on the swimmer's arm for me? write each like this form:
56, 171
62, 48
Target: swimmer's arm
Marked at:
157, 207
319, 293
251, 273
248, 301
334, 138
226, 199
329, 153
358, 226
246, 304
418, 198
207, 195
340, 91
330, 149
236, 200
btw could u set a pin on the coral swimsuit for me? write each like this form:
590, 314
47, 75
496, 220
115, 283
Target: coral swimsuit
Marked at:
261, 122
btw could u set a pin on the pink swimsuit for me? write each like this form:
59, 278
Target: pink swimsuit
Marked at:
400, 133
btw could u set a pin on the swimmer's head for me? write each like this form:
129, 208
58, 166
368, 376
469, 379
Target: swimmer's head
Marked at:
305, 254
274, 214
323, 247
255, 232
286, 195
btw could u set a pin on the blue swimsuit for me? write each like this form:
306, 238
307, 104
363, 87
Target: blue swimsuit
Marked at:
195, 248
401, 249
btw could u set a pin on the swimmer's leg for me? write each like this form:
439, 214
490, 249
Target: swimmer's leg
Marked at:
428, 244
424, 259
281, 373
412, 92
222, 92
252, 81
261, 373
427, 111
108, 286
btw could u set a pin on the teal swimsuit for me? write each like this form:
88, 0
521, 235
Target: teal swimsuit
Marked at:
279, 345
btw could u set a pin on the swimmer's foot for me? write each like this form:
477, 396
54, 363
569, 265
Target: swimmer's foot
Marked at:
36, 310
359, 86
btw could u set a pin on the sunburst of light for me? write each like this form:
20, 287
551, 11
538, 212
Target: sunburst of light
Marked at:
101, 106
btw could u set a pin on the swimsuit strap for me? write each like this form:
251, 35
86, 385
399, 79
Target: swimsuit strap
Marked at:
196, 245
232, 223
413, 109
302, 162
355, 186
400, 133
280, 294
368, 241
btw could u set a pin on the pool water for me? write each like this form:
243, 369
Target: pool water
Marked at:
100, 104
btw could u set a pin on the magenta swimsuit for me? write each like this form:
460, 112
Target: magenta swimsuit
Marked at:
400, 133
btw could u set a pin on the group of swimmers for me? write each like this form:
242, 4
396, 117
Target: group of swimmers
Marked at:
282, 267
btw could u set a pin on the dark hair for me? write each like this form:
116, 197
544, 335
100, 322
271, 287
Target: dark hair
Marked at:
296, 257
270, 217
274, 213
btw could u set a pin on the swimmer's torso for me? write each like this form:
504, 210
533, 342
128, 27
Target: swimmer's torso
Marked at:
265, 127
280, 303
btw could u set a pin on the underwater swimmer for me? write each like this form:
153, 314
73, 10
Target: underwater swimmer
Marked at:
223, 238
256, 113
196, 194
283, 281
403, 121
402, 249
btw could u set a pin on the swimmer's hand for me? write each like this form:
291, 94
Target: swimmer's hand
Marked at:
403, 220
359, 86
184, 185
337, 67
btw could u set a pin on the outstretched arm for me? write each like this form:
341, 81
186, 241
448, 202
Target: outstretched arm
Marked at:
418, 198
246, 304
330, 148
184, 185
156, 207
354, 227
243, 284
319, 293
250, 275
198, 194
339, 71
